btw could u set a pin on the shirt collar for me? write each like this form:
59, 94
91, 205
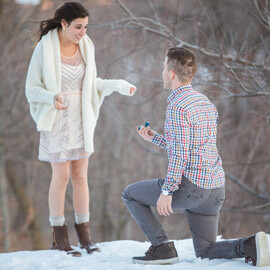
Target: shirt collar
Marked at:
179, 90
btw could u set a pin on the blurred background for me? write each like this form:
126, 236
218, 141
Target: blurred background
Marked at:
232, 42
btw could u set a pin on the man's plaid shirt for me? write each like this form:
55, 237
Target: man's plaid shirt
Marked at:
190, 140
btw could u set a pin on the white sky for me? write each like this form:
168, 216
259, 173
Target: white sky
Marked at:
33, 2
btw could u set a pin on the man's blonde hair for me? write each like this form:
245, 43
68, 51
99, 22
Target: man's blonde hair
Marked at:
183, 62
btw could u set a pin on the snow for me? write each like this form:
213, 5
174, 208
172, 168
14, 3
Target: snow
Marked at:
115, 255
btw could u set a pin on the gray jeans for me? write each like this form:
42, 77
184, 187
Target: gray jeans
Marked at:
201, 207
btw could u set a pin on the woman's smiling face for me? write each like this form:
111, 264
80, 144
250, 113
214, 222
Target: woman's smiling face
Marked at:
76, 30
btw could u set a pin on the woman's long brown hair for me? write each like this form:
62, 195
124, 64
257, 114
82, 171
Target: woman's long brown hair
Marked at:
68, 11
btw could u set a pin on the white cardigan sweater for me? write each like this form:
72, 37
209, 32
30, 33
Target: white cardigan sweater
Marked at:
43, 82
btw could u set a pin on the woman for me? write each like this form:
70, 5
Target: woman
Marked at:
65, 96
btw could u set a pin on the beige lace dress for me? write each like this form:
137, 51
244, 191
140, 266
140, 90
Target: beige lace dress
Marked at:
66, 140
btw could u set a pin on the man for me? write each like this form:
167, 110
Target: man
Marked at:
195, 178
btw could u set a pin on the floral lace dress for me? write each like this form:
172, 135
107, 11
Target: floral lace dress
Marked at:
66, 140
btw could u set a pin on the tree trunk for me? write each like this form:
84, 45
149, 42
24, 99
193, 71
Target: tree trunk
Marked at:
26, 207
4, 201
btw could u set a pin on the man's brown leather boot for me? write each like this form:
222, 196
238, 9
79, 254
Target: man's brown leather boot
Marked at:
84, 238
162, 254
256, 249
61, 242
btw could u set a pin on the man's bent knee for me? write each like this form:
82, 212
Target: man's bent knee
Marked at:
126, 193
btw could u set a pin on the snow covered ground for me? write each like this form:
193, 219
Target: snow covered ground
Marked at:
117, 256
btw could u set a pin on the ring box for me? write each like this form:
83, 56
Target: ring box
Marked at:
146, 125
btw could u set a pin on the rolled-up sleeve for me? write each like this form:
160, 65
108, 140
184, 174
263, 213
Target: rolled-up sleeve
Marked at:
160, 141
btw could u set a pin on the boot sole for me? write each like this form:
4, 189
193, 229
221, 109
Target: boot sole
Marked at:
74, 253
165, 261
263, 257
91, 250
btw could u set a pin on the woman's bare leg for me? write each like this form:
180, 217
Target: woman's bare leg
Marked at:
58, 186
80, 186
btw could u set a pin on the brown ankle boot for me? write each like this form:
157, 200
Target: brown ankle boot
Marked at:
60, 240
256, 249
84, 238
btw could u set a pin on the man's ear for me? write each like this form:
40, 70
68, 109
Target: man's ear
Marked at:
172, 74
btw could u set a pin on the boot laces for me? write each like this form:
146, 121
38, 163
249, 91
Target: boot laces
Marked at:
150, 251
248, 259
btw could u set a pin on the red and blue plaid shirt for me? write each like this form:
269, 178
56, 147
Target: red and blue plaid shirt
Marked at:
190, 140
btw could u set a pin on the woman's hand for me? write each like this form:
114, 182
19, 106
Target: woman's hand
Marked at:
132, 90
58, 102
146, 133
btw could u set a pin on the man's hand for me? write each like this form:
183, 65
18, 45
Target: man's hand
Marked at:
146, 133
58, 102
164, 205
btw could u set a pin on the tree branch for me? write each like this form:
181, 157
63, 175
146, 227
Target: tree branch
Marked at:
247, 188
169, 36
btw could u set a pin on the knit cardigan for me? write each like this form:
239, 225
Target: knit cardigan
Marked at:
43, 82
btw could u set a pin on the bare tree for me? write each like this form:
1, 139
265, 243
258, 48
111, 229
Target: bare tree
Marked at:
231, 40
